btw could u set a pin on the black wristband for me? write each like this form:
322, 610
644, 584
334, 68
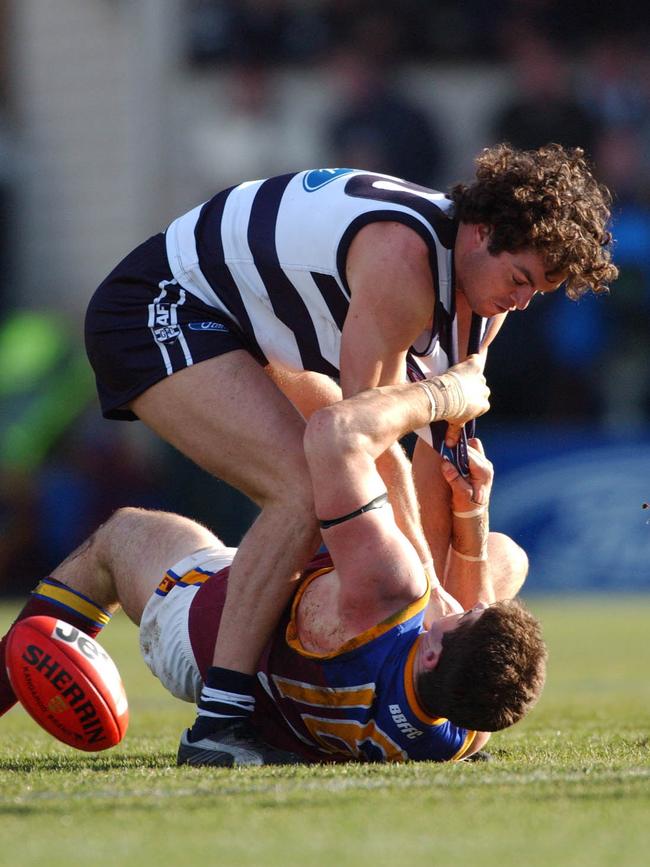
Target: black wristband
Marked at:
377, 503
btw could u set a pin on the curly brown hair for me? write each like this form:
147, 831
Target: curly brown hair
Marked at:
490, 672
545, 200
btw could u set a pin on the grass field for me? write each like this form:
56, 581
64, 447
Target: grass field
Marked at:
569, 786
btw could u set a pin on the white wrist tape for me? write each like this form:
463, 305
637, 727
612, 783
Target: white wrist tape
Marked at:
446, 396
470, 559
425, 388
473, 514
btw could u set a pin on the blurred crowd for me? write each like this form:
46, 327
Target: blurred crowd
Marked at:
580, 76
303, 31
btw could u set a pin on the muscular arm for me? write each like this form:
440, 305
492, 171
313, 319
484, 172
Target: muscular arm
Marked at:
434, 499
391, 304
310, 391
378, 567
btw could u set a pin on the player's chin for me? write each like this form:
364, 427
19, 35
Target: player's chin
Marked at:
483, 307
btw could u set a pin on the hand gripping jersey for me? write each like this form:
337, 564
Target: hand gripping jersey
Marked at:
357, 703
271, 254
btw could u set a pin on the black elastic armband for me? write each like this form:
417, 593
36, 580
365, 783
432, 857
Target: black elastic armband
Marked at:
377, 503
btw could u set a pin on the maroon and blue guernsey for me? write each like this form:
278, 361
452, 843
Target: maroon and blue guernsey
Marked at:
356, 703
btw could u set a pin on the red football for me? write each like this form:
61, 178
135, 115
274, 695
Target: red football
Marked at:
68, 683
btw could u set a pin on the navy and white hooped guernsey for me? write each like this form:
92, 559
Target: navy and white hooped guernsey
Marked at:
270, 255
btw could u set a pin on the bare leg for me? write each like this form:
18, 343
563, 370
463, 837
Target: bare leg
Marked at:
125, 559
435, 499
508, 565
227, 416
122, 562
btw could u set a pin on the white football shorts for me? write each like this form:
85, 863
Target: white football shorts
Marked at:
164, 634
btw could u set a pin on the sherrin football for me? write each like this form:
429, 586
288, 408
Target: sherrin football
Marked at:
68, 683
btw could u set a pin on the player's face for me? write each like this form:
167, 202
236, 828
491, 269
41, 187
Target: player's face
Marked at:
453, 621
505, 282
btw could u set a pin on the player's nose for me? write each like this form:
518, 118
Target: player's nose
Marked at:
522, 297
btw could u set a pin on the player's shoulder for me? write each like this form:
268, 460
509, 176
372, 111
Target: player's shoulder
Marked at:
322, 627
315, 180
397, 241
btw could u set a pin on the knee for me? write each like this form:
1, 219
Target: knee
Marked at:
510, 563
519, 565
115, 531
119, 522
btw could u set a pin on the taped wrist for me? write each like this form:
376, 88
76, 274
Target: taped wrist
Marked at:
474, 513
471, 558
445, 395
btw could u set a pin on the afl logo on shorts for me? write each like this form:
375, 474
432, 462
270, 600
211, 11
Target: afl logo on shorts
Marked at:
163, 317
318, 178
167, 333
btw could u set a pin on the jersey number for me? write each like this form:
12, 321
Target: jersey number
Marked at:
346, 737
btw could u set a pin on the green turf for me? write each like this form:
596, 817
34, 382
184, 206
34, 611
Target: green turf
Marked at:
569, 786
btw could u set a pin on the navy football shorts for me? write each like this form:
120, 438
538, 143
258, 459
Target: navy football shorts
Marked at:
141, 326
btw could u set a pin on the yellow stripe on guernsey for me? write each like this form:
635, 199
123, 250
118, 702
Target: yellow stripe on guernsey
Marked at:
345, 737
326, 696
72, 600
467, 743
340, 736
194, 576
418, 710
401, 616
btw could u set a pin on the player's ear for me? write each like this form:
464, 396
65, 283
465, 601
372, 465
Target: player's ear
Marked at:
431, 658
478, 235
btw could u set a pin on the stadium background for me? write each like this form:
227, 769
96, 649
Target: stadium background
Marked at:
118, 115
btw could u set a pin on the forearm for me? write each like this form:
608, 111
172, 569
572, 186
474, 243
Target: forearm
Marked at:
468, 576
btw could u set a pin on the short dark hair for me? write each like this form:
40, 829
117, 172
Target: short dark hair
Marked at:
545, 200
490, 672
